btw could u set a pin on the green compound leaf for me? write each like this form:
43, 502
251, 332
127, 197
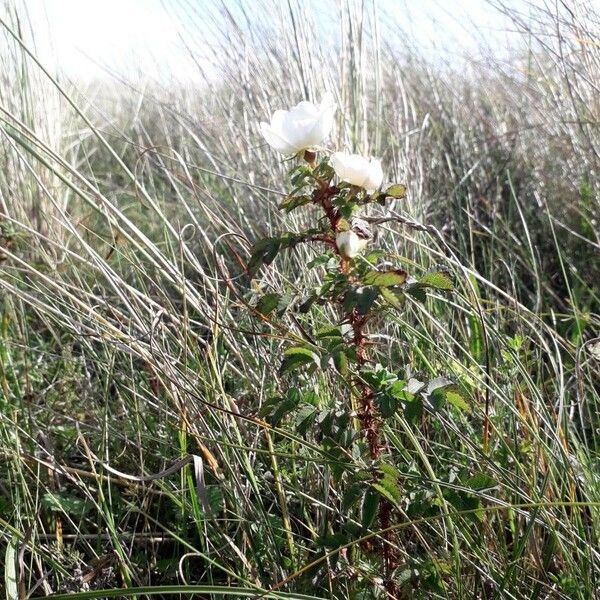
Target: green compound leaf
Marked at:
365, 298
263, 253
352, 495
396, 191
414, 410
340, 361
268, 303
297, 357
329, 332
389, 489
305, 418
417, 291
292, 202
399, 392
306, 305
265, 250
391, 297
387, 405
63, 502
283, 409
386, 278
369, 508
319, 261
324, 170
299, 175
285, 301
454, 397
373, 256
438, 280
481, 481
389, 471
465, 502
360, 298
441, 389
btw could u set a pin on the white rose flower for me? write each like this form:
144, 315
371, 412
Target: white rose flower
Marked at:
304, 126
349, 243
358, 170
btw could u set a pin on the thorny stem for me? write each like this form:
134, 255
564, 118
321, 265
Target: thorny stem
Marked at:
324, 198
367, 413
370, 427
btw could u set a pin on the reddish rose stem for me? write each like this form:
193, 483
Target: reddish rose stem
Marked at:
367, 413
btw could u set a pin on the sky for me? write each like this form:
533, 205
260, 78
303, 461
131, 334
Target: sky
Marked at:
88, 38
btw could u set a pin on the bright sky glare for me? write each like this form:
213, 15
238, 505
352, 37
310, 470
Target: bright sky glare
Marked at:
87, 38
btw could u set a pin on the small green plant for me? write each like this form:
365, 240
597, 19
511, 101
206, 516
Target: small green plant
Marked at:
357, 287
